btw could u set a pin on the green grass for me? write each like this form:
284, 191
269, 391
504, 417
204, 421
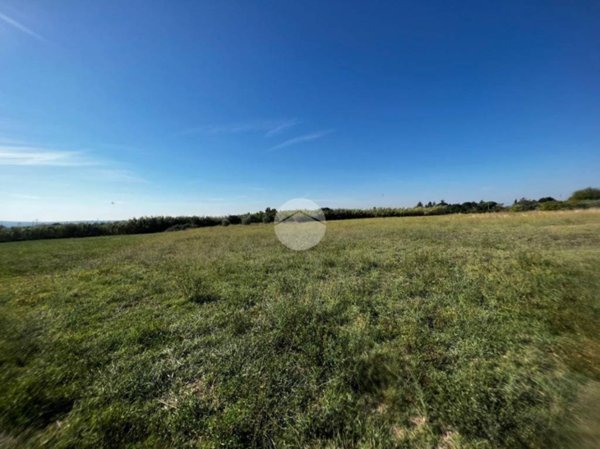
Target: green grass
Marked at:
441, 332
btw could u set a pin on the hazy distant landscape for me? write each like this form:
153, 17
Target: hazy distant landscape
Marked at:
581, 199
13, 224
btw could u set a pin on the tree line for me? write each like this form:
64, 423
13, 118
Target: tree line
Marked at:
584, 198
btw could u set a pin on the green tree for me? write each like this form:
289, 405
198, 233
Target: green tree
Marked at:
589, 193
269, 215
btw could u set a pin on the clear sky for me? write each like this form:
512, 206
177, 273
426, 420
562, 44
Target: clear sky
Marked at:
114, 109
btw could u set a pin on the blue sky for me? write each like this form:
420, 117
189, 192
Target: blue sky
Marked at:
117, 109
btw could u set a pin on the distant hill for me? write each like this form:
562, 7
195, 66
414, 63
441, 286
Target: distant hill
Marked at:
10, 224
13, 224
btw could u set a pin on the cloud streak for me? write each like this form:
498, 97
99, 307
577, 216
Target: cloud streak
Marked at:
118, 175
19, 26
301, 139
33, 156
282, 127
268, 127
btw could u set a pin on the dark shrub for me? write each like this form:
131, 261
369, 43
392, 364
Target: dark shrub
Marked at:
234, 219
179, 227
524, 205
555, 205
585, 194
269, 215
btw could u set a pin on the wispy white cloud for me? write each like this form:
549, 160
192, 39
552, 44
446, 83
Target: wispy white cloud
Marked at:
268, 127
282, 127
34, 156
90, 167
19, 26
117, 175
301, 139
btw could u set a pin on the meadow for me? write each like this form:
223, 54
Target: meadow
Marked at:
456, 331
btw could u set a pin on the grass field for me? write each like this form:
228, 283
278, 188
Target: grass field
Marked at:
460, 331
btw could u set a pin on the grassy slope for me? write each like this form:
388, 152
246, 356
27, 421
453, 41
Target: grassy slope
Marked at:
450, 332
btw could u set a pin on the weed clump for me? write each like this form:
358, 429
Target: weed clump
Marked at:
195, 287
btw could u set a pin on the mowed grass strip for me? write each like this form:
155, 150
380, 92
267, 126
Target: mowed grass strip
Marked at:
463, 331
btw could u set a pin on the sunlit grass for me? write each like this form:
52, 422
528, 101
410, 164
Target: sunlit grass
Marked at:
460, 331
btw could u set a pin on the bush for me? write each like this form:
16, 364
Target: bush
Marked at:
584, 204
585, 194
179, 227
234, 219
555, 205
524, 205
269, 215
